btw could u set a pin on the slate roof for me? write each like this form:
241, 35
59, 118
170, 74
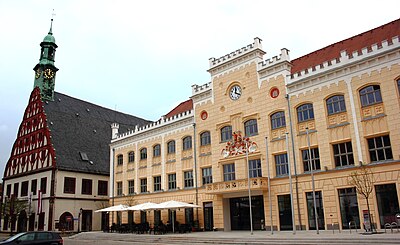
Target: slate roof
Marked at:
79, 126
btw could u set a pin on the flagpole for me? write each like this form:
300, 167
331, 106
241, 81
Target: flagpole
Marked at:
269, 185
311, 166
290, 183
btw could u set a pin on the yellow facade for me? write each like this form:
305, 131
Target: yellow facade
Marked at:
356, 125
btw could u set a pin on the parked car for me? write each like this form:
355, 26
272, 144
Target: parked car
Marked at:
35, 238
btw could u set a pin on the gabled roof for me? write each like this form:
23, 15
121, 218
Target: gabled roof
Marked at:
182, 107
356, 43
80, 127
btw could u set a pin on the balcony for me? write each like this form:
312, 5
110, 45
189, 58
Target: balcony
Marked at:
259, 183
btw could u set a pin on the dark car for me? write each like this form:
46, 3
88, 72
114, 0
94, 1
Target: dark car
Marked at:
35, 238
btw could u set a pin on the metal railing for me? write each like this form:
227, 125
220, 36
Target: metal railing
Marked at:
352, 223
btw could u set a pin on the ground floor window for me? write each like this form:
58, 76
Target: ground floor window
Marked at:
157, 217
311, 212
388, 203
189, 216
240, 212
143, 216
349, 212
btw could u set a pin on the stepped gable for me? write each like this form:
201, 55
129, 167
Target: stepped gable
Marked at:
182, 107
81, 127
356, 43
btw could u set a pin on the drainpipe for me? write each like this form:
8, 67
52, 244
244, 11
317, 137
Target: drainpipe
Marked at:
112, 184
294, 158
195, 170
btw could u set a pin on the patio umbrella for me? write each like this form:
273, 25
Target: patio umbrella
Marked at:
141, 207
119, 207
172, 205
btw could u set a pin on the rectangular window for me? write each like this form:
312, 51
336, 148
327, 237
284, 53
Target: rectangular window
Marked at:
207, 175
189, 216
343, 154
34, 186
380, 148
8, 193
250, 127
131, 187
226, 133
87, 186
229, 172
188, 178
16, 189
157, 183
143, 185
69, 185
255, 168
24, 188
311, 211
43, 185
102, 188
171, 181
315, 161
119, 188
281, 165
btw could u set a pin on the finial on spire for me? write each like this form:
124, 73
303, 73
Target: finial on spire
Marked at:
51, 24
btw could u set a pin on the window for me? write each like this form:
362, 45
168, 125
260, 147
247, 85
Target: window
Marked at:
157, 183
255, 168
87, 186
143, 185
69, 185
281, 164
131, 156
250, 127
335, 104
8, 190
157, 217
34, 186
226, 133
187, 143
143, 154
229, 172
311, 211
349, 207
305, 112
102, 189
156, 150
398, 85
207, 175
278, 120
43, 185
171, 147
131, 187
370, 95
343, 154
379, 148
119, 188
189, 216
205, 138
188, 178
171, 181
120, 159
24, 188
315, 162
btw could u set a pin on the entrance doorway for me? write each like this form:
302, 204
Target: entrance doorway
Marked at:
41, 222
22, 221
285, 213
31, 225
388, 204
240, 212
86, 220
105, 221
208, 216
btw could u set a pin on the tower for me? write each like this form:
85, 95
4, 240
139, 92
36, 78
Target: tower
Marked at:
45, 71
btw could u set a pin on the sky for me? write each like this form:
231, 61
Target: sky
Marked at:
142, 57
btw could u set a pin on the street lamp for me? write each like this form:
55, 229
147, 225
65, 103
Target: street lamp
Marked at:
236, 147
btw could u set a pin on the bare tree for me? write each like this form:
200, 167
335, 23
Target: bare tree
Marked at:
363, 180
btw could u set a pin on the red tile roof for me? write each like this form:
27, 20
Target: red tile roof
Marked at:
356, 43
182, 107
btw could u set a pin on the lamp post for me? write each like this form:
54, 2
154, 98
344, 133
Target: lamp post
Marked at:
236, 147
311, 166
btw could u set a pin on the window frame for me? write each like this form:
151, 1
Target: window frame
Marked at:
157, 183
385, 149
226, 133
254, 166
205, 138
143, 185
143, 153
187, 143
131, 186
69, 185
315, 159
120, 159
250, 127
229, 172
87, 190
157, 150
281, 164
131, 156
335, 104
102, 187
171, 147
206, 174
371, 90
172, 181
119, 188
24, 188
188, 179
339, 156
305, 112
278, 120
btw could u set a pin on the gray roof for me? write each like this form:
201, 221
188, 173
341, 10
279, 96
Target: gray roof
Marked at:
81, 127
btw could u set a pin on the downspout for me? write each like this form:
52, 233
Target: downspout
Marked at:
195, 170
294, 159
112, 184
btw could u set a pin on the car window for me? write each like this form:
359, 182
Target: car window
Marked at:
27, 237
44, 236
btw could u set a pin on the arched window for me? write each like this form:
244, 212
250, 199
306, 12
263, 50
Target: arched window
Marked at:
250, 127
370, 95
187, 143
205, 138
143, 154
305, 112
171, 146
226, 133
278, 120
120, 159
156, 150
335, 104
131, 156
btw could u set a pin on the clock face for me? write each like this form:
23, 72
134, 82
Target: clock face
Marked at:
48, 73
37, 73
235, 92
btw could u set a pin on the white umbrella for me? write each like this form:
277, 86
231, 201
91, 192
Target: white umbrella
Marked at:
142, 206
173, 205
119, 207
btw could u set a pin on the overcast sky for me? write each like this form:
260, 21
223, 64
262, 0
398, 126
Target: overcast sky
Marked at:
141, 57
